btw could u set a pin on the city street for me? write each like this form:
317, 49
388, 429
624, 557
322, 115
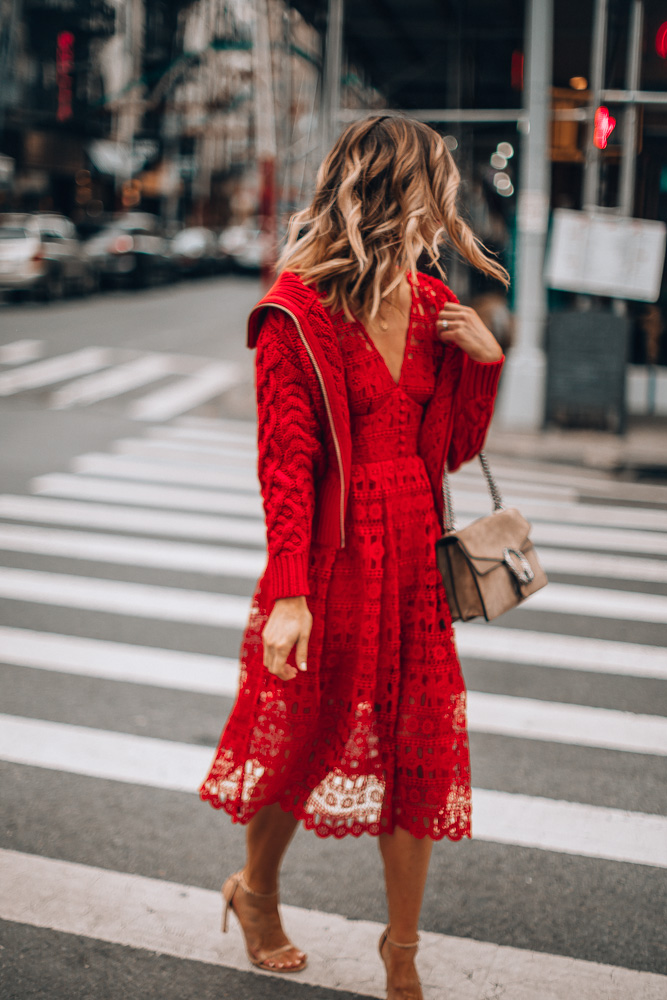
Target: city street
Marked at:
131, 537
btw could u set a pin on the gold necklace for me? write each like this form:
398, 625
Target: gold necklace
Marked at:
383, 324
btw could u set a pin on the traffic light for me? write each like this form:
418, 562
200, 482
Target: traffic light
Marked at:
64, 69
661, 40
603, 127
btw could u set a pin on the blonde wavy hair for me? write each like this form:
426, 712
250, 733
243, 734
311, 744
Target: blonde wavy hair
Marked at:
386, 193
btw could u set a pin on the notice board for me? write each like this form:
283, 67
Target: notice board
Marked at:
606, 255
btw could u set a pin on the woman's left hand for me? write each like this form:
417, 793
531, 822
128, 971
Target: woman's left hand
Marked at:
461, 325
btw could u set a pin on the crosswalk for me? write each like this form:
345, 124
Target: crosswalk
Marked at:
131, 572
93, 375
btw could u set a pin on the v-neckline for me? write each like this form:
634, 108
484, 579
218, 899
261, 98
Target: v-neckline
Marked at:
407, 339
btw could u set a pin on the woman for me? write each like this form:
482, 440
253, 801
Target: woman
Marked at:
350, 715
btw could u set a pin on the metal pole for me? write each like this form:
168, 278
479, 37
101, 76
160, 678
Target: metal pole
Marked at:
598, 60
265, 122
626, 199
265, 136
333, 66
521, 402
626, 202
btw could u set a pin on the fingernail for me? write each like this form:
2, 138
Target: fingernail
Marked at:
302, 665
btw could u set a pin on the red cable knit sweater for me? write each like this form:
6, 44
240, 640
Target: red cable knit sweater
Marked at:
304, 443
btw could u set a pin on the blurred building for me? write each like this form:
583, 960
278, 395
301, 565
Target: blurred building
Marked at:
120, 104
51, 90
170, 106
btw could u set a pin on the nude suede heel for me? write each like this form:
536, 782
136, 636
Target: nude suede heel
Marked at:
262, 962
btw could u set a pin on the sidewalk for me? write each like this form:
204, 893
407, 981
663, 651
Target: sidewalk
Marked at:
641, 453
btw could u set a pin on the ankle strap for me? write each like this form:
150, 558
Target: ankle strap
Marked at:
251, 892
399, 944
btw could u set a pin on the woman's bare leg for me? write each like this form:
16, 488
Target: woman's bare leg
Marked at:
268, 835
267, 838
406, 860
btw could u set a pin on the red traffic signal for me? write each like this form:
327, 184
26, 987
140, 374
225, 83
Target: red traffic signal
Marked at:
661, 40
604, 126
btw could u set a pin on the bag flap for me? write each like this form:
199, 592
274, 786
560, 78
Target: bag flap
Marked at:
484, 540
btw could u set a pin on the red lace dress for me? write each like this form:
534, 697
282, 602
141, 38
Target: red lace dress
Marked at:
373, 735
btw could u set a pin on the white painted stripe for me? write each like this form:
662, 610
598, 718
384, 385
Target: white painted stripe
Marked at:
526, 482
589, 482
56, 369
100, 754
527, 472
569, 827
470, 483
91, 486
219, 675
148, 494
555, 722
171, 442
207, 435
471, 505
20, 351
612, 567
218, 423
139, 600
112, 382
119, 661
503, 715
182, 449
543, 469
602, 539
129, 551
183, 921
228, 444
203, 608
524, 470
212, 379
186, 451
567, 599
145, 470
560, 652
501, 817
244, 531
236, 561
188, 364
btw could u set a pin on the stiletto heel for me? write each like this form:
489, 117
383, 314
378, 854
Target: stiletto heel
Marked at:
262, 962
398, 993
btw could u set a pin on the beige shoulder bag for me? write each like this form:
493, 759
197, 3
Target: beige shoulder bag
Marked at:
489, 566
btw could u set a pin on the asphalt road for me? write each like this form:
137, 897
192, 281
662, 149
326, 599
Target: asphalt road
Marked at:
121, 616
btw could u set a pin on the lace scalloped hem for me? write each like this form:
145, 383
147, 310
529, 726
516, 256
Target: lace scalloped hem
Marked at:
454, 831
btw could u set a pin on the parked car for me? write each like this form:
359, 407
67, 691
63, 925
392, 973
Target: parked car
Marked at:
41, 256
132, 251
195, 252
244, 247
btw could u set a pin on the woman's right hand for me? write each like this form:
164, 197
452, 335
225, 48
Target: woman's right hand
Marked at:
290, 622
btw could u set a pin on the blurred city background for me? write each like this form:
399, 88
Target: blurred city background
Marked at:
151, 153
145, 141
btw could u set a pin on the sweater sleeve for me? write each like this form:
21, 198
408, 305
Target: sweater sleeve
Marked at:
473, 409
473, 404
290, 453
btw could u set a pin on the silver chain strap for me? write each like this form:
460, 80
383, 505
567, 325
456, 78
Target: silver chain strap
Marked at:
450, 520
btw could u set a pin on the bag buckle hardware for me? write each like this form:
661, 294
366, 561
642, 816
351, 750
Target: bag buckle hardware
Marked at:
523, 571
